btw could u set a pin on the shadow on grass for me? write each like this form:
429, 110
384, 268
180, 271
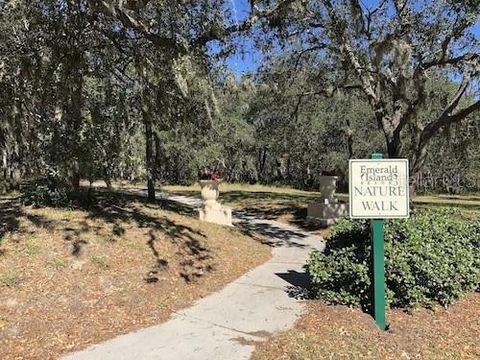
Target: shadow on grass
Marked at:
289, 214
273, 212
41, 222
10, 213
118, 209
115, 208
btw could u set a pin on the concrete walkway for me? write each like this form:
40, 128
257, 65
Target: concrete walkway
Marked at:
226, 324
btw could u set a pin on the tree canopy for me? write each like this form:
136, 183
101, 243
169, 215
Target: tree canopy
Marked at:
140, 90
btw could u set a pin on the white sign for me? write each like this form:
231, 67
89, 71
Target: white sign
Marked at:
379, 188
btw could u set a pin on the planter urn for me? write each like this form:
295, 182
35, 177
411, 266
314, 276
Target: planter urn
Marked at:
210, 192
326, 210
328, 186
212, 211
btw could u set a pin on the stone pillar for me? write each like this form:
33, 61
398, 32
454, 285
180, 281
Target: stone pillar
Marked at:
326, 210
212, 211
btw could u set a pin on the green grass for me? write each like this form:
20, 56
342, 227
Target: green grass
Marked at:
239, 187
10, 280
100, 261
241, 195
249, 196
58, 262
32, 246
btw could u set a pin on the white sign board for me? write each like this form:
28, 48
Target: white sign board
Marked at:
379, 188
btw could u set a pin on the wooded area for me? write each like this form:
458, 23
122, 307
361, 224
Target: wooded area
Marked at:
139, 90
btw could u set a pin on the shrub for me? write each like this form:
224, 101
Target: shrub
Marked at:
431, 258
44, 196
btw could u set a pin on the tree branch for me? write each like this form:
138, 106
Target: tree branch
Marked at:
441, 58
457, 97
445, 120
129, 20
465, 112
304, 51
256, 15
363, 72
359, 15
451, 61
369, 16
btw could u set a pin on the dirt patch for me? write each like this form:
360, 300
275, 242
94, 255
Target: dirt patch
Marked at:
339, 332
71, 278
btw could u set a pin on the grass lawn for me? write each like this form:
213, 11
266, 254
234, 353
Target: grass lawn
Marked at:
290, 205
73, 277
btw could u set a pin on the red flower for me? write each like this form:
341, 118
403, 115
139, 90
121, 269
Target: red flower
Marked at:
215, 176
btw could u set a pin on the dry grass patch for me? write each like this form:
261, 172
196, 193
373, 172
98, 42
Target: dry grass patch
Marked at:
70, 278
339, 332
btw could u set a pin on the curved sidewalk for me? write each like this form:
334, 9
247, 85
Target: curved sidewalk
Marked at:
225, 324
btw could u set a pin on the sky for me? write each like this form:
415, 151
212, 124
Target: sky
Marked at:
250, 59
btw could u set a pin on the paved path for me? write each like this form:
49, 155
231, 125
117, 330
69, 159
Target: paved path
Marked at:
225, 324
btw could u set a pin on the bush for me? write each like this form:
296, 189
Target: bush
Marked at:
431, 258
40, 196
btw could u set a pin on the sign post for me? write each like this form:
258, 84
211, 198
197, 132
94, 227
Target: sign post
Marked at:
378, 191
378, 247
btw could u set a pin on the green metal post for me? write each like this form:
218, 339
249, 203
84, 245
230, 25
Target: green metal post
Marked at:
378, 267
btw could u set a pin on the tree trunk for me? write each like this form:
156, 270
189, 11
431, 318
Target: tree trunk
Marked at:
158, 159
262, 160
149, 154
419, 157
76, 123
394, 146
108, 182
349, 134
75, 180
391, 126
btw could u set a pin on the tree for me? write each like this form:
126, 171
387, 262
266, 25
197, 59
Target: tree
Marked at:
388, 52
301, 132
106, 89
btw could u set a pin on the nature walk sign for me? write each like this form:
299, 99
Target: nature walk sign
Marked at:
378, 190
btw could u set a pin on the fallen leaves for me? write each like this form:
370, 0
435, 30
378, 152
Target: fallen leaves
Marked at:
337, 332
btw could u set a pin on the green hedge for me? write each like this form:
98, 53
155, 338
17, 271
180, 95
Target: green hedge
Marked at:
431, 258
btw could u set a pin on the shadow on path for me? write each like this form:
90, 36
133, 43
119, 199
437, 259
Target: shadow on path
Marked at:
278, 236
295, 278
300, 284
